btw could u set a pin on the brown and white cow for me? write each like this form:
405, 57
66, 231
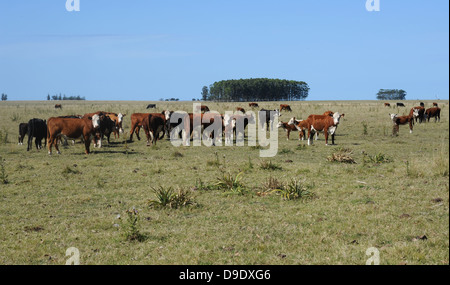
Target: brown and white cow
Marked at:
72, 128
288, 129
419, 115
236, 124
302, 127
321, 123
403, 120
285, 107
433, 112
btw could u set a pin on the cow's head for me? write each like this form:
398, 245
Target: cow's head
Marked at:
416, 112
336, 118
119, 122
280, 124
167, 114
292, 121
96, 121
393, 116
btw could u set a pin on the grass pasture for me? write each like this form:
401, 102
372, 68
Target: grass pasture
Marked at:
395, 196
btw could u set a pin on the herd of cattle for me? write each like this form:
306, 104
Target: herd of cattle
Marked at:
416, 114
94, 126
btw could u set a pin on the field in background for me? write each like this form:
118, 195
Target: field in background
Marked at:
395, 197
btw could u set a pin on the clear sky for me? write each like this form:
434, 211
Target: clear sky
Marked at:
147, 50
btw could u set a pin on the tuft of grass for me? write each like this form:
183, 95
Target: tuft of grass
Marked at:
269, 166
231, 184
364, 125
294, 190
169, 198
177, 154
3, 175
377, 158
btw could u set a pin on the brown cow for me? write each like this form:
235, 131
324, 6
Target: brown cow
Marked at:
403, 120
387, 105
72, 128
253, 105
153, 124
138, 118
435, 104
433, 112
58, 106
321, 123
239, 109
285, 107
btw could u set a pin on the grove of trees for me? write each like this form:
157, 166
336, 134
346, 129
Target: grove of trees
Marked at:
391, 94
256, 89
4, 97
64, 97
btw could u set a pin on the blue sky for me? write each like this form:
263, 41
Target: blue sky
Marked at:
147, 50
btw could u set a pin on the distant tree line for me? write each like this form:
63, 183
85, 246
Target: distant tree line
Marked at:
391, 94
64, 97
170, 99
256, 89
4, 97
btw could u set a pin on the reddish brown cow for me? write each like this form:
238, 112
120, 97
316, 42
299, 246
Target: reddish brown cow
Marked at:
387, 105
435, 104
58, 106
253, 105
321, 123
301, 126
285, 107
138, 118
403, 120
72, 128
240, 109
153, 124
433, 112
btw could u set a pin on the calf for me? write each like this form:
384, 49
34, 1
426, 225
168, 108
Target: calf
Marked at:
403, 120
23, 130
301, 126
285, 107
321, 123
400, 105
288, 129
72, 128
151, 106
36, 128
433, 112
153, 124
268, 117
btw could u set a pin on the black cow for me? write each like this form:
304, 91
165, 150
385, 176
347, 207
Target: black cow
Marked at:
151, 106
37, 128
107, 127
267, 116
23, 130
400, 105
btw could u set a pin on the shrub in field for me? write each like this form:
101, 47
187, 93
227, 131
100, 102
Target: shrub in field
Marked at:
377, 158
167, 197
132, 232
